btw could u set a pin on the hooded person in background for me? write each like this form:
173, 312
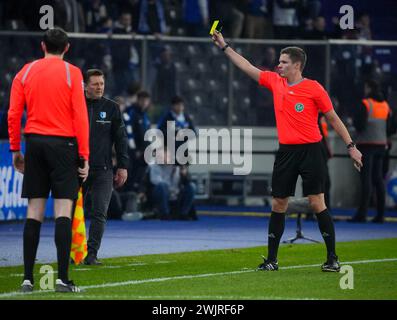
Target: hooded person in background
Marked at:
137, 123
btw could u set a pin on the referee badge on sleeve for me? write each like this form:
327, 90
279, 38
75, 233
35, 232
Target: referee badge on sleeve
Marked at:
299, 107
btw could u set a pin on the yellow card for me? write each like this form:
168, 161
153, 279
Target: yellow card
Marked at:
213, 28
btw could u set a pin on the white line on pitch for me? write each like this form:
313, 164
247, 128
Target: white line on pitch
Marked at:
102, 267
192, 276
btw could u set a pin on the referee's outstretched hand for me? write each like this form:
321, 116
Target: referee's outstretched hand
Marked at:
83, 172
217, 37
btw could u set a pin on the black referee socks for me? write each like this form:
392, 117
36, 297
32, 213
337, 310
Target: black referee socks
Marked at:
276, 229
63, 242
327, 230
31, 237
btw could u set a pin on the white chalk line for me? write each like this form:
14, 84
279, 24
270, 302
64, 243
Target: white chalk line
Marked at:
194, 276
96, 267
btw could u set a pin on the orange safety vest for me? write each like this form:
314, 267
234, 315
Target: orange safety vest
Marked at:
375, 130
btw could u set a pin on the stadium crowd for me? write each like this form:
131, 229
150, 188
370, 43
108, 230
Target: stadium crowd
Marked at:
278, 19
122, 62
186, 69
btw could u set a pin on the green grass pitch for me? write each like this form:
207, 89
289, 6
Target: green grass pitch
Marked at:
228, 274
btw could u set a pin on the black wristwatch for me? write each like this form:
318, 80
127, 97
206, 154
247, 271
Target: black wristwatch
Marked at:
350, 145
225, 47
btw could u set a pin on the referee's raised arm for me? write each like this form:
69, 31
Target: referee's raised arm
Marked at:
236, 58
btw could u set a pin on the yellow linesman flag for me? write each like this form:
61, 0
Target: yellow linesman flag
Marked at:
79, 239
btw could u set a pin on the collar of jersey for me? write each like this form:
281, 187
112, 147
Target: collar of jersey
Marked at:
295, 83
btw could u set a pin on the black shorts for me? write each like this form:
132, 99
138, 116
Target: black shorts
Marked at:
306, 160
50, 164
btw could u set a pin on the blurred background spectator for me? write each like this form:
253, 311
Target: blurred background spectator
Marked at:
286, 19
318, 30
170, 190
372, 116
195, 17
96, 14
137, 122
231, 13
364, 27
258, 19
125, 55
151, 18
164, 82
178, 115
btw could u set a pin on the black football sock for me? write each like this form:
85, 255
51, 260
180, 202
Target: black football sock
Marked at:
63, 242
31, 237
276, 229
327, 230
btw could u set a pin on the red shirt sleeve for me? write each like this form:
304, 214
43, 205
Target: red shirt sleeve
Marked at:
17, 105
267, 78
322, 99
80, 114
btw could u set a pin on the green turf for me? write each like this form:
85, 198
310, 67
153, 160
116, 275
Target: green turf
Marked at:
372, 280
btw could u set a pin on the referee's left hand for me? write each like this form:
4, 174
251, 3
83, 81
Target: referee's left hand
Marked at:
356, 155
120, 177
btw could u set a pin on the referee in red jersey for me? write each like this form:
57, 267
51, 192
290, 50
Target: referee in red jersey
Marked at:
56, 134
297, 102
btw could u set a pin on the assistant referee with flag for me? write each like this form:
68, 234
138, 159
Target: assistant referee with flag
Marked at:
56, 134
297, 102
